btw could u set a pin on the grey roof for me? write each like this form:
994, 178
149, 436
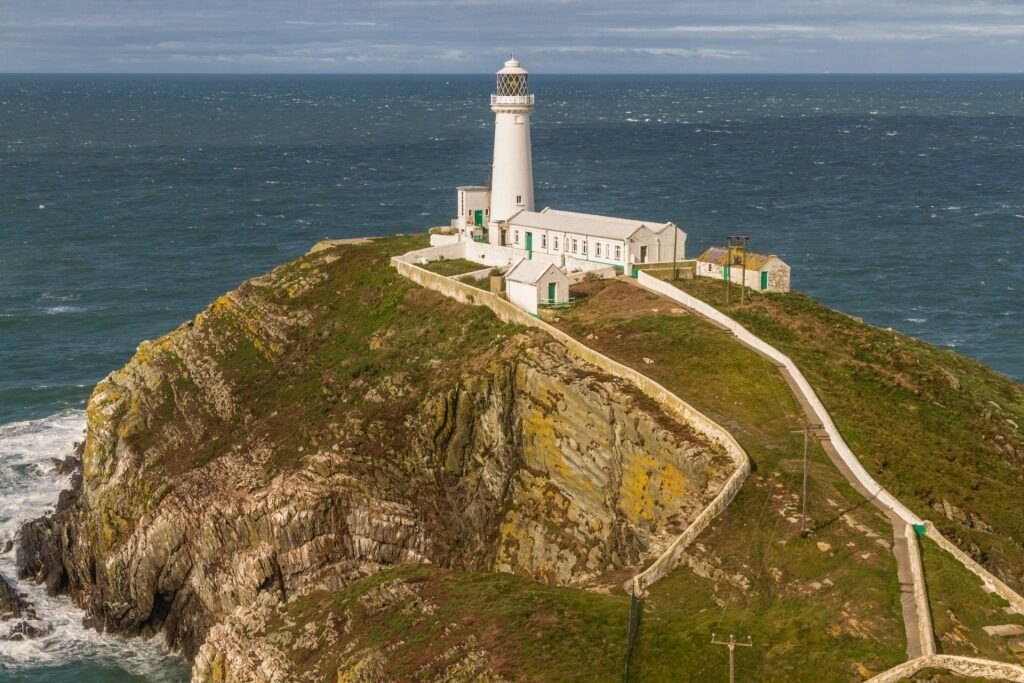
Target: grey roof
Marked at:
530, 271
591, 224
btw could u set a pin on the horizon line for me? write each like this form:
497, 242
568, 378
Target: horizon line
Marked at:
488, 74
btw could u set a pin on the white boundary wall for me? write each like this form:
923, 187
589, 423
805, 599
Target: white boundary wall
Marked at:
988, 580
925, 634
745, 336
963, 666
682, 410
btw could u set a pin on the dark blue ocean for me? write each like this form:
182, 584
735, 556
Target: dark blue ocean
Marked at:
127, 203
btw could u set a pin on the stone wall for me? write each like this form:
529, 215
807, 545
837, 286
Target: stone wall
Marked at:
963, 666
670, 402
925, 633
990, 582
820, 412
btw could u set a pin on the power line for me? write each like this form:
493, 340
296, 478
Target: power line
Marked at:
732, 643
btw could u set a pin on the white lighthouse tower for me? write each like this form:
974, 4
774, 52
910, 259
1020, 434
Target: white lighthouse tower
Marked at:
512, 172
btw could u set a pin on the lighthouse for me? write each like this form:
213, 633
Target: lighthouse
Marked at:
512, 171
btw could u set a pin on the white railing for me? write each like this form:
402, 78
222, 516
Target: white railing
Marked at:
521, 100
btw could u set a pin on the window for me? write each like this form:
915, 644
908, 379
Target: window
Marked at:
618, 252
554, 243
597, 250
584, 247
519, 199
544, 240
575, 246
515, 237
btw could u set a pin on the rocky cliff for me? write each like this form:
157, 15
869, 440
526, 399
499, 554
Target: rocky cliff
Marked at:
329, 421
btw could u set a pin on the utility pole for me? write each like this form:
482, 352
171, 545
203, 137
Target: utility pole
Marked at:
743, 280
731, 644
728, 266
804, 531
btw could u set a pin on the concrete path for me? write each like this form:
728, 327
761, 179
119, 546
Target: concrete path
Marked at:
911, 605
900, 549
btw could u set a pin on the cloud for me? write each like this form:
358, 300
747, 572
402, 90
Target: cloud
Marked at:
686, 52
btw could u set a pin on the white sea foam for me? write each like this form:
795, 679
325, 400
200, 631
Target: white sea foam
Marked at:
29, 487
57, 310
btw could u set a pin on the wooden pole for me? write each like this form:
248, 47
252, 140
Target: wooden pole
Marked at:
732, 643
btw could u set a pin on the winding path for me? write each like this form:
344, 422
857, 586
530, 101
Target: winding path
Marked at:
913, 589
914, 598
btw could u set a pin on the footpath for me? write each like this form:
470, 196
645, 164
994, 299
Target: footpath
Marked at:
906, 525
921, 651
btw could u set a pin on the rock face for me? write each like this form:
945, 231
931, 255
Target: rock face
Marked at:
17, 616
328, 420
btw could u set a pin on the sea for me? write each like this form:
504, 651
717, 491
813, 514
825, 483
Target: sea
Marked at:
127, 203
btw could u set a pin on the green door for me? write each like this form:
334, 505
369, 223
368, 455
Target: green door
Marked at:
478, 217
725, 273
764, 280
552, 290
529, 245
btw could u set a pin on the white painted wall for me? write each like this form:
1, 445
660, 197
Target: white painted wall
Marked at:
522, 295
512, 171
468, 201
659, 245
778, 275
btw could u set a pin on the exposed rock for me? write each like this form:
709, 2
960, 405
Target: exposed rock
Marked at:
199, 506
18, 614
960, 516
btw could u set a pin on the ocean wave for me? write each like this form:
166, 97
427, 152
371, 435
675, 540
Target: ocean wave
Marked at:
57, 310
29, 487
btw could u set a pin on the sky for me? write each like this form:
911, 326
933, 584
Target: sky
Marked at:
551, 36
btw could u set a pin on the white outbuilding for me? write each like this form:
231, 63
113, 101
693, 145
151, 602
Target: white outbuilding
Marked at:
763, 272
530, 284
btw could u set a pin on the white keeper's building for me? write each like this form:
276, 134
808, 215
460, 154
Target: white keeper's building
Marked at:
502, 214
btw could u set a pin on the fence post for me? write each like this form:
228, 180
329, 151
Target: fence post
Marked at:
635, 607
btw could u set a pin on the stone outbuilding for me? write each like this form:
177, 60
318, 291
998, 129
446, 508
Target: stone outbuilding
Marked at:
530, 284
764, 272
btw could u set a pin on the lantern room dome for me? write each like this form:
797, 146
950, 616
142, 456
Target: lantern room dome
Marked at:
512, 66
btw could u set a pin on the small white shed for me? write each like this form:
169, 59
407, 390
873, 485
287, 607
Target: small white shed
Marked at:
530, 283
763, 272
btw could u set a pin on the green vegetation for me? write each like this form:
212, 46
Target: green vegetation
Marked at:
330, 338
423, 617
960, 608
449, 267
939, 430
815, 612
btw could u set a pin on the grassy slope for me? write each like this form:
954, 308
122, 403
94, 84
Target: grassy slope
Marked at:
931, 425
534, 632
804, 628
960, 608
456, 266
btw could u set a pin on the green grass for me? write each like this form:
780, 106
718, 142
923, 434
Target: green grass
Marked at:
449, 267
960, 608
931, 425
805, 629
534, 632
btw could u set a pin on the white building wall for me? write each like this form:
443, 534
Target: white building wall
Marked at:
778, 275
558, 245
468, 202
522, 295
659, 246
512, 172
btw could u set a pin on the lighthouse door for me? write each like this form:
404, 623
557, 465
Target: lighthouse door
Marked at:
478, 217
529, 245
